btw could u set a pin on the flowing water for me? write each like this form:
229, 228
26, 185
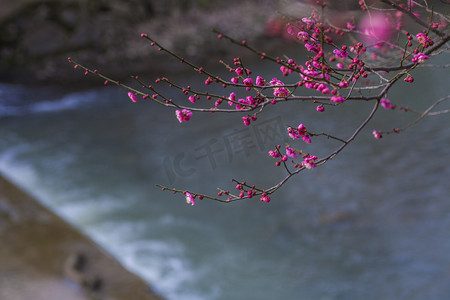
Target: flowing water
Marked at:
374, 223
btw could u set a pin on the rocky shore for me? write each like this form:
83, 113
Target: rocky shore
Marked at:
44, 258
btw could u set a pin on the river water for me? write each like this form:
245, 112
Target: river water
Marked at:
374, 223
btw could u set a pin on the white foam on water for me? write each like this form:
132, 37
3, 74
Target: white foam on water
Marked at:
71, 101
9, 107
162, 263
21, 174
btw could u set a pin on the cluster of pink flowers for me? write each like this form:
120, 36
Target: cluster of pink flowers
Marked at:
303, 36
247, 119
409, 78
274, 153
250, 193
309, 161
299, 133
279, 91
291, 152
420, 58
424, 40
183, 115
341, 53
337, 99
265, 197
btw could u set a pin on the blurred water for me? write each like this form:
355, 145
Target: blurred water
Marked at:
374, 223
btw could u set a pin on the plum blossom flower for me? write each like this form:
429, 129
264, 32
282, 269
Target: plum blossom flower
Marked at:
424, 40
340, 53
323, 89
307, 21
274, 154
420, 58
192, 99
183, 115
306, 139
239, 71
299, 133
293, 133
409, 78
250, 100
232, 98
259, 81
309, 161
386, 103
302, 35
291, 152
343, 84
264, 197
311, 47
350, 26
132, 96
337, 99
320, 108
281, 91
246, 120
248, 81
189, 198
376, 27
377, 134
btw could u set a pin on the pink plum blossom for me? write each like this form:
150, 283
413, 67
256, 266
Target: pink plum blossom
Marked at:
192, 99
281, 91
248, 81
264, 197
306, 139
376, 27
377, 134
320, 108
189, 198
424, 40
343, 84
350, 26
340, 53
246, 120
409, 78
309, 161
291, 152
259, 81
183, 115
302, 35
420, 58
274, 154
132, 96
386, 103
307, 21
337, 99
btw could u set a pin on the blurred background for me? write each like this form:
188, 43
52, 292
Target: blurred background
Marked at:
373, 223
37, 36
